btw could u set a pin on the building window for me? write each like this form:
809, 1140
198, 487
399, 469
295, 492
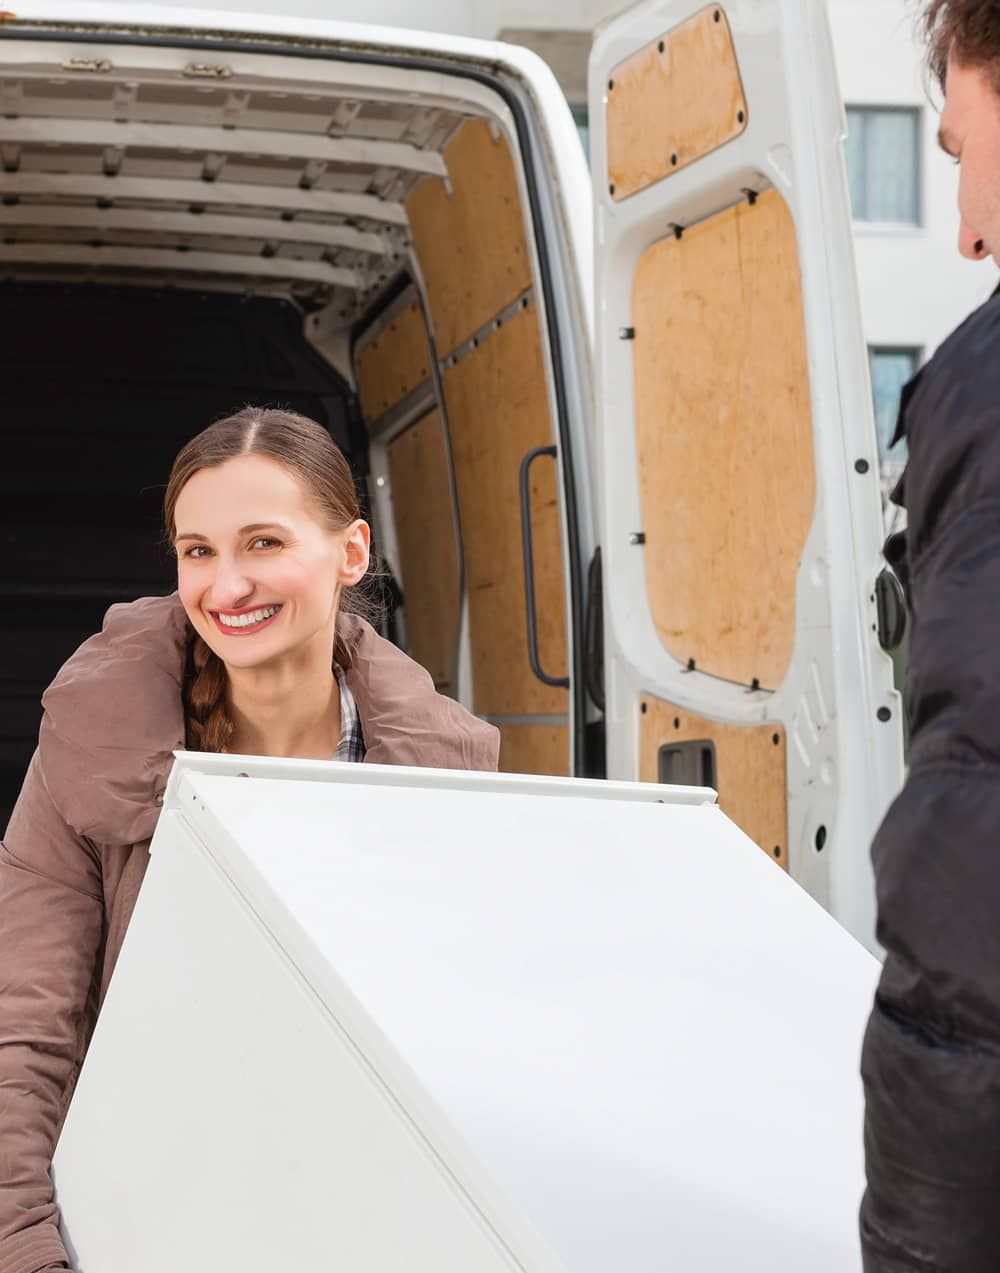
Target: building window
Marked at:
883, 164
891, 369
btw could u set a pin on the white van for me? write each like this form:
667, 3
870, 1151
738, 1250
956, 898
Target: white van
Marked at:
616, 435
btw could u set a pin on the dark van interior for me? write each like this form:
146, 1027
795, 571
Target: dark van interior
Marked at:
102, 385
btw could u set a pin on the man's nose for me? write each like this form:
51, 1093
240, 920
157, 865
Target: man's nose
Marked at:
971, 244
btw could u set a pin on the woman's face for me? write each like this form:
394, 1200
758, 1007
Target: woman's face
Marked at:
257, 573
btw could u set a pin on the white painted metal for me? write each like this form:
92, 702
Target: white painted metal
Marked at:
570, 183
500, 1023
205, 194
152, 221
844, 765
178, 262
285, 144
257, 91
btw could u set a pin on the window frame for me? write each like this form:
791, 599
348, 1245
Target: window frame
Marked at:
918, 354
866, 224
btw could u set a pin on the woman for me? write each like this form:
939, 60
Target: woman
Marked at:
256, 653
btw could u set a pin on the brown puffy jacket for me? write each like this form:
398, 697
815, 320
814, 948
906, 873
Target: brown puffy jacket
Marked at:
76, 850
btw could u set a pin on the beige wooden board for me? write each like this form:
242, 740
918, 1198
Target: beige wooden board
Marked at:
535, 749
470, 243
750, 768
724, 431
673, 101
428, 551
394, 363
498, 411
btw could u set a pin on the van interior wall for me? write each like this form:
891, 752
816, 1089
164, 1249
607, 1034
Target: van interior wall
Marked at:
470, 242
101, 387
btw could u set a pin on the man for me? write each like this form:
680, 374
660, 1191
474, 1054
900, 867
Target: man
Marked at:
931, 1062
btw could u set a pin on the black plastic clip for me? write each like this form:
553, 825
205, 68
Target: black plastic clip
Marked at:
626, 333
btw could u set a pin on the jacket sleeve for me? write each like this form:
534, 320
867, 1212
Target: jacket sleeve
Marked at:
51, 919
931, 1061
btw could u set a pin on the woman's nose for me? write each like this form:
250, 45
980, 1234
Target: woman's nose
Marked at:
231, 589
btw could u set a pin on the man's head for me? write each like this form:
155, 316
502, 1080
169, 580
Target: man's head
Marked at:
963, 39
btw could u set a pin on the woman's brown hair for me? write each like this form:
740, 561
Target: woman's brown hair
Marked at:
968, 28
305, 449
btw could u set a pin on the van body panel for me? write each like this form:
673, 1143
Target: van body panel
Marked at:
507, 88
740, 519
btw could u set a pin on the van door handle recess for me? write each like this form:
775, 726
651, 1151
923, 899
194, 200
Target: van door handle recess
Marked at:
562, 682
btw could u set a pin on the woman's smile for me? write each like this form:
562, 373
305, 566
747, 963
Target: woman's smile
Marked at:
234, 623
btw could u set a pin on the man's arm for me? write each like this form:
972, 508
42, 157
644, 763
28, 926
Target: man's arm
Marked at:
931, 1063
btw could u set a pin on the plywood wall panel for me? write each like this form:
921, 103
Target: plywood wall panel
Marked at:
751, 763
471, 242
498, 410
673, 101
394, 363
420, 483
724, 433
535, 749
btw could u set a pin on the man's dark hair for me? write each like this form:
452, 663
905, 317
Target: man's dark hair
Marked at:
969, 28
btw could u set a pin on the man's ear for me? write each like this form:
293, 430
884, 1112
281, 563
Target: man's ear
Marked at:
357, 553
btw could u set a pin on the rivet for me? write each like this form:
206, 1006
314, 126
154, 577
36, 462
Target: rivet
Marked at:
861, 466
884, 714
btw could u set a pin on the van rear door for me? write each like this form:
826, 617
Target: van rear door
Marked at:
741, 519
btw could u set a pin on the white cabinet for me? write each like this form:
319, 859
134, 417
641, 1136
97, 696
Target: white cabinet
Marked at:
383, 1019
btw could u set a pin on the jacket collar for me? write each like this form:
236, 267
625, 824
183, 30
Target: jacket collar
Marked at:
114, 716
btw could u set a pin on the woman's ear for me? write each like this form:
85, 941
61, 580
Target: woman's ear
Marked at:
357, 551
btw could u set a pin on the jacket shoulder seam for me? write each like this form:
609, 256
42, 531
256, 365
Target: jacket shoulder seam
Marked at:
19, 864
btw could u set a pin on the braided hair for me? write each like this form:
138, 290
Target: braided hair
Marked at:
307, 450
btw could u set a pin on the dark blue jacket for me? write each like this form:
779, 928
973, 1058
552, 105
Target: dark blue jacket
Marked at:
931, 1062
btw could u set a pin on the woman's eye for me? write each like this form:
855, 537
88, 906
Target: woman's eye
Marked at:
195, 552
266, 542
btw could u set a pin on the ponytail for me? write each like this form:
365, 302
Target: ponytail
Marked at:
206, 718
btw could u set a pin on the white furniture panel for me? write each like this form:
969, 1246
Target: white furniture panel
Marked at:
376, 1020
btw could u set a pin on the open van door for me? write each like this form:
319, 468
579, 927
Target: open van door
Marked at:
741, 525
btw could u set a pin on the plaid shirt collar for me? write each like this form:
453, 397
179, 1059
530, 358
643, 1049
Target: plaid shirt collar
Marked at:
351, 747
